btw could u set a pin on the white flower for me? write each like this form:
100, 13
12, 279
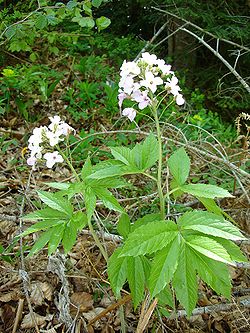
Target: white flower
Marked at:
66, 129
172, 86
127, 83
151, 82
179, 100
54, 138
52, 158
121, 98
130, 113
31, 161
141, 98
130, 67
150, 59
166, 69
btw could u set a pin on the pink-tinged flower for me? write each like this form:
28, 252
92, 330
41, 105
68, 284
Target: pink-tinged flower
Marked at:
121, 98
66, 129
179, 100
130, 113
127, 83
31, 161
151, 82
150, 59
52, 158
141, 98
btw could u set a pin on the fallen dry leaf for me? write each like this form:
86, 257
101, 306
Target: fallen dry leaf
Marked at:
40, 291
81, 302
13, 295
40, 320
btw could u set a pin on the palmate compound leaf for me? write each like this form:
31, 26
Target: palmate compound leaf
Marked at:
179, 165
214, 273
206, 191
45, 214
78, 221
123, 154
210, 224
108, 199
149, 238
55, 202
42, 225
123, 226
209, 248
55, 238
211, 206
163, 267
90, 201
136, 279
117, 271
232, 249
145, 154
41, 242
185, 280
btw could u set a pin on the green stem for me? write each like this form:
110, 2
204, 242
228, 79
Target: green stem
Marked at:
159, 172
91, 228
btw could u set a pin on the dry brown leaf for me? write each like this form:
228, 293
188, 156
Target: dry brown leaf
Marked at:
40, 291
13, 295
28, 322
107, 300
7, 315
93, 313
81, 301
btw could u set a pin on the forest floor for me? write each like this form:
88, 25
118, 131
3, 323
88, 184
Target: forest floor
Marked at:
72, 294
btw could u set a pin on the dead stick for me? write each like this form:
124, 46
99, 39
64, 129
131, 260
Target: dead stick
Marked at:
112, 307
142, 325
18, 314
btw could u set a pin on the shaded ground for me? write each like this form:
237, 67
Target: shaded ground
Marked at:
72, 294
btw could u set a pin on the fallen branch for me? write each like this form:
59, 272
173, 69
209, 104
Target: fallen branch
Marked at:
245, 302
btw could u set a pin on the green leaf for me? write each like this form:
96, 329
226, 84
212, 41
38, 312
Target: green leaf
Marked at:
150, 238
108, 199
209, 248
146, 153
11, 31
113, 171
86, 169
206, 190
210, 224
55, 238
165, 297
210, 205
58, 186
106, 182
102, 23
185, 281
77, 222
45, 214
179, 166
136, 279
214, 273
117, 271
123, 154
41, 226
123, 226
96, 3
85, 22
232, 249
145, 220
90, 202
163, 267
41, 22
41, 242
52, 200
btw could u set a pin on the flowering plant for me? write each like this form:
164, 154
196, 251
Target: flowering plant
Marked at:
161, 255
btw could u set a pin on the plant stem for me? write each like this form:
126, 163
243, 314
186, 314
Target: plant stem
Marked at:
159, 172
91, 228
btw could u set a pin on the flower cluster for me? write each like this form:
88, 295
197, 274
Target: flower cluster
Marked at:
43, 138
141, 79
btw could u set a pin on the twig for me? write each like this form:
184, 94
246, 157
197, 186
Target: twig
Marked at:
202, 30
223, 60
145, 318
151, 40
112, 307
245, 302
18, 314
